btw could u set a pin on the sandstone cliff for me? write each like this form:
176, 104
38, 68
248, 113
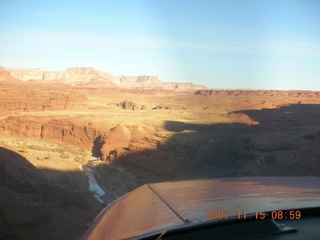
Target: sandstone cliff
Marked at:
90, 77
136, 80
152, 82
5, 76
25, 74
71, 76
177, 86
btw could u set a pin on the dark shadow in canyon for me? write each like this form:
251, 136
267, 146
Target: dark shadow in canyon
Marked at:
284, 143
287, 116
33, 207
97, 145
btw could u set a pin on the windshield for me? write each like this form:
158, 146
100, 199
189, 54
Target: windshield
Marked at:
99, 99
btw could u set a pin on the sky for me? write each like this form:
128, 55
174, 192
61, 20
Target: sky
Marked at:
271, 44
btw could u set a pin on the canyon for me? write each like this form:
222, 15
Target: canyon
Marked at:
137, 130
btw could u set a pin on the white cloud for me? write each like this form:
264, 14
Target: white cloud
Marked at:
290, 48
133, 41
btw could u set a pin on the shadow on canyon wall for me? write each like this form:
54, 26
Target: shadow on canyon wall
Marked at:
97, 145
33, 207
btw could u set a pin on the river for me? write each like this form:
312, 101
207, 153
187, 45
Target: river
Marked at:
89, 170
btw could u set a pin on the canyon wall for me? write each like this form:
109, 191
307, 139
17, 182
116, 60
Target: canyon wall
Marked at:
71, 76
107, 143
54, 130
90, 77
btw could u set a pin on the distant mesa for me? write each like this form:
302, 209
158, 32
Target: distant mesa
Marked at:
90, 77
5, 76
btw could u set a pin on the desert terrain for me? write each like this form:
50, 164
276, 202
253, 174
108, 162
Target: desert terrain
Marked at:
135, 130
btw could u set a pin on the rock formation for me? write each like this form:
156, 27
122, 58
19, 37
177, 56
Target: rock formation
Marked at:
127, 105
139, 79
56, 130
90, 77
5, 76
71, 76
25, 74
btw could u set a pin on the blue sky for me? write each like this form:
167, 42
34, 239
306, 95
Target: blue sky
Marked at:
220, 44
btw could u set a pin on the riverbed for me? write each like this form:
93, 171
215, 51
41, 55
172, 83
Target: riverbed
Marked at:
97, 191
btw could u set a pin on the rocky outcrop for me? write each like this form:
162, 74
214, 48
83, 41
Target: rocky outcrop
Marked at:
122, 140
127, 105
116, 144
